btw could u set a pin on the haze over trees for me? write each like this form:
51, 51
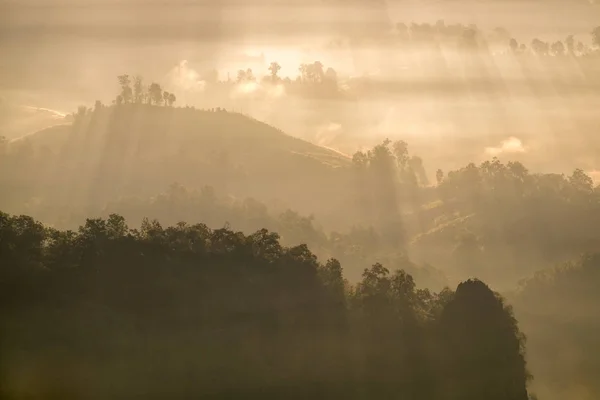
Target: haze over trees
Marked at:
481, 219
356, 333
305, 200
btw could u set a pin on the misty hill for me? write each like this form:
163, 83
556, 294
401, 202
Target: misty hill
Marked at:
139, 149
496, 221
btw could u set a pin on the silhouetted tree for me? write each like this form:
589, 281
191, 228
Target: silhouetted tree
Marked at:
155, 93
558, 48
439, 176
539, 47
274, 69
138, 90
483, 349
126, 92
514, 45
245, 76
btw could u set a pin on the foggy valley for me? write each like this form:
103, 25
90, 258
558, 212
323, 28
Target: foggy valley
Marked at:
327, 199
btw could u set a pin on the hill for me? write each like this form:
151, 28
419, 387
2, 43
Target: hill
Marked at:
495, 221
139, 149
216, 128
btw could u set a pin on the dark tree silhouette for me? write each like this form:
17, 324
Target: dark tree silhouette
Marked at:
126, 92
274, 69
138, 90
155, 93
558, 48
481, 338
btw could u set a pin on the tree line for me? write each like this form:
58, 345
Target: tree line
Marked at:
186, 310
134, 91
429, 42
471, 36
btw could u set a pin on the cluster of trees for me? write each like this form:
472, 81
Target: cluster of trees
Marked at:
309, 73
570, 46
388, 181
494, 220
136, 92
510, 220
313, 79
428, 40
354, 247
189, 311
470, 36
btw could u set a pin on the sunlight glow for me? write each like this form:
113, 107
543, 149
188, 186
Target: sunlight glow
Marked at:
511, 145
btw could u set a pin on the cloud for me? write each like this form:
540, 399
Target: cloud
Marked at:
512, 145
276, 90
184, 78
246, 88
252, 88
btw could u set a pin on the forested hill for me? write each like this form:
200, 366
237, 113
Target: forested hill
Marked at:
139, 149
189, 312
494, 220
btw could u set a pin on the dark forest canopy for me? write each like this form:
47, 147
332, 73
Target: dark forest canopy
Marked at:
188, 311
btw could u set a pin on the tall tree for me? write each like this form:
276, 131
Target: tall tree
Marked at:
558, 48
539, 47
274, 69
155, 93
439, 176
514, 45
483, 349
126, 92
138, 90
570, 42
